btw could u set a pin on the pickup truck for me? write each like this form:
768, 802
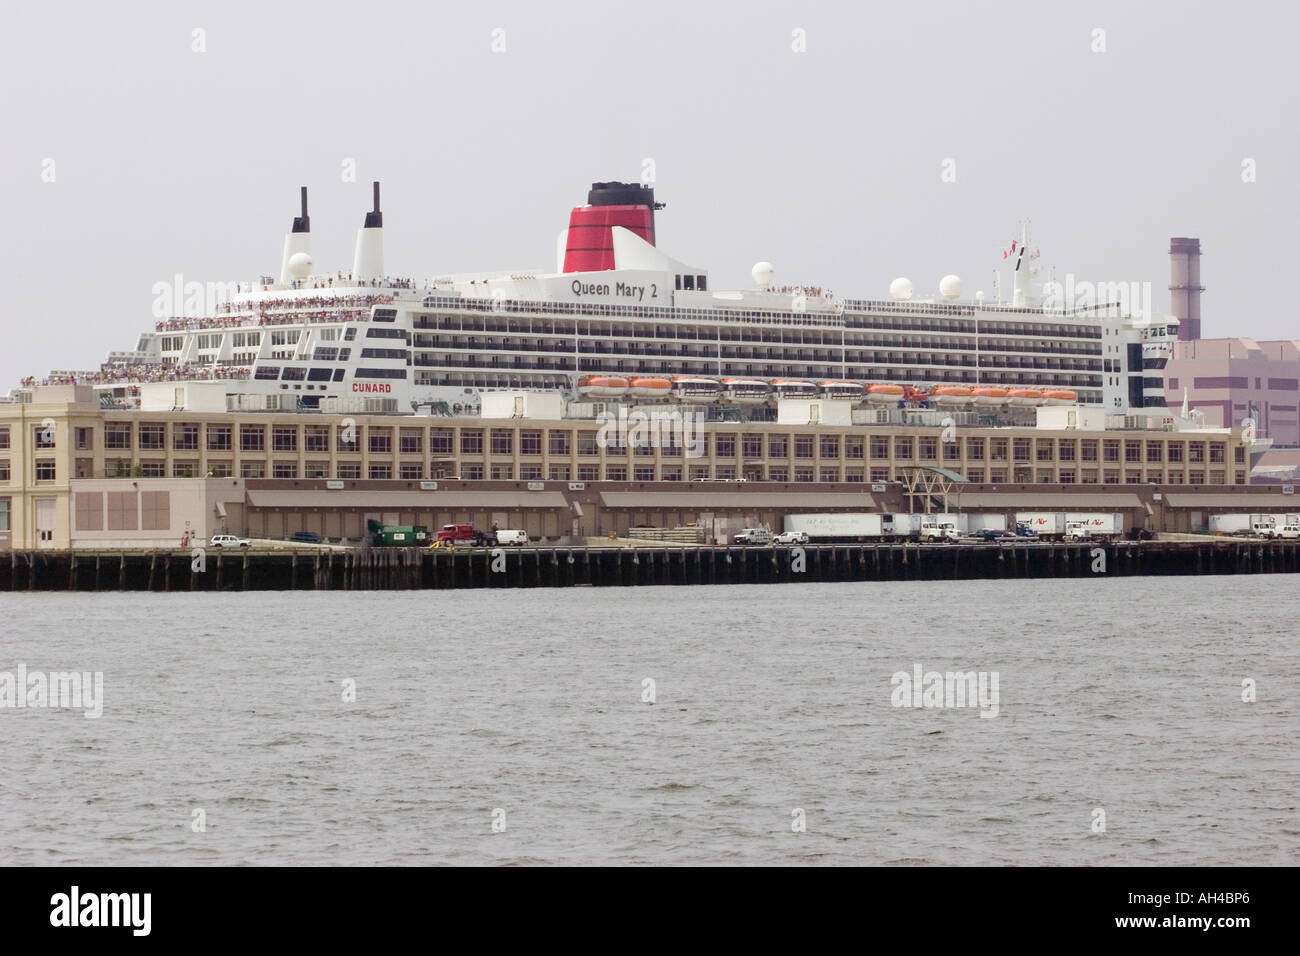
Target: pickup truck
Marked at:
752, 536
791, 537
229, 541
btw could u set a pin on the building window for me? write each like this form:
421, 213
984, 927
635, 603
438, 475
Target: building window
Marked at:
974, 449
530, 473
903, 448
927, 448
699, 471
1132, 452
951, 451
530, 443
380, 472
471, 441
117, 435
803, 474
4, 469
879, 474
1154, 451
724, 445
588, 472
219, 469
346, 439
879, 446
998, 450
43, 437
830, 474
153, 437
1196, 452
252, 469
45, 469
559, 473
317, 438
1043, 450
616, 472
1110, 449
411, 442
1067, 477
672, 473
284, 438
854, 445
644, 473
725, 472
153, 469
440, 442
778, 474
778, 446
285, 469
803, 446
1239, 454
503, 472
829, 446
1088, 450
1020, 449
86, 438
503, 441
587, 446
1217, 452
4, 443
854, 475
349, 471
411, 470
558, 442
252, 438
975, 475
379, 440
751, 446
185, 437
316, 469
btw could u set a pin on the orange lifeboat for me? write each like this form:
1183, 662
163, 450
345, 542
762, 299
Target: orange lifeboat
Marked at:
649, 387
1024, 396
793, 388
1060, 396
852, 390
602, 386
695, 389
989, 395
746, 390
884, 394
951, 395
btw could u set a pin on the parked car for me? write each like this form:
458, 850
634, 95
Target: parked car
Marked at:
752, 536
989, 534
516, 538
229, 541
307, 537
791, 537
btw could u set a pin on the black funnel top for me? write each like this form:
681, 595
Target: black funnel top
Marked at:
375, 219
302, 223
622, 194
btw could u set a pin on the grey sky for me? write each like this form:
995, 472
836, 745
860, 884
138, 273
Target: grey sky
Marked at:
827, 162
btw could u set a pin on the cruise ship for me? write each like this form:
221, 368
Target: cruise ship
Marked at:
619, 319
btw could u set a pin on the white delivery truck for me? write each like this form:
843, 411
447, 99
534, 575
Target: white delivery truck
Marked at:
903, 526
1262, 525
841, 527
1047, 525
1229, 524
986, 521
1093, 527
943, 527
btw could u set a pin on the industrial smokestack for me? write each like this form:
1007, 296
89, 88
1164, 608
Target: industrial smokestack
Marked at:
297, 243
1185, 286
369, 260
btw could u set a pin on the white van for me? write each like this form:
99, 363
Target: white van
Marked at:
1287, 531
516, 538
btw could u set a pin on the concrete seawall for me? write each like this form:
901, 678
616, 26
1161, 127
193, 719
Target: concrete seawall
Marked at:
409, 568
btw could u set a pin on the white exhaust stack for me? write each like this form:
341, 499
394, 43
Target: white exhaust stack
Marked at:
297, 240
369, 261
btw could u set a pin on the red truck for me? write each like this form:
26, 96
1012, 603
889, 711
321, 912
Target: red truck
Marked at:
465, 535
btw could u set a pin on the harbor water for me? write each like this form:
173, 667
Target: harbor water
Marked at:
1119, 721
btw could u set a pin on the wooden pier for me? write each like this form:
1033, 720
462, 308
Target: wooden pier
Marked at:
410, 568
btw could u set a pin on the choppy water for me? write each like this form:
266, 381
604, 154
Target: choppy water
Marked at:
1123, 695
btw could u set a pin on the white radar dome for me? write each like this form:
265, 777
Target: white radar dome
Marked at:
762, 273
300, 265
950, 287
900, 288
